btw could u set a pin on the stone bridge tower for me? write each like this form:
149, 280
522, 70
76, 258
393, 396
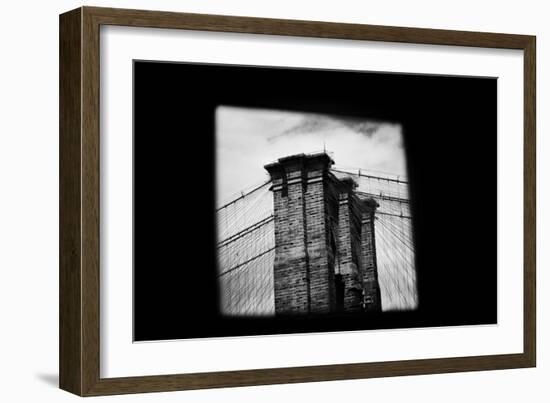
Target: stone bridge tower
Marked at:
325, 254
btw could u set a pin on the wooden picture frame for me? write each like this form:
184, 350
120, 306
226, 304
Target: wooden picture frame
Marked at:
79, 346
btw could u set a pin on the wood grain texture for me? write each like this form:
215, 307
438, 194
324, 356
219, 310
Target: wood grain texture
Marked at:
70, 313
79, 200
90, 201
316, 29
530, 203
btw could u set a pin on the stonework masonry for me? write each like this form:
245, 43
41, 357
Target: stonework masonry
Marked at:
325, 255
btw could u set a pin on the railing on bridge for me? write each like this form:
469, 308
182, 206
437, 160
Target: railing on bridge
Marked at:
246, 245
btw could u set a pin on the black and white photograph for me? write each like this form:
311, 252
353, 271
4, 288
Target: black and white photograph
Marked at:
274, 200
245, 201
303, 239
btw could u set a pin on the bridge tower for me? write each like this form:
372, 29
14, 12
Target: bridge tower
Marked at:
325, 255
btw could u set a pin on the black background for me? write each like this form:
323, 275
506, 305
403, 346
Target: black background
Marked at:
450, 137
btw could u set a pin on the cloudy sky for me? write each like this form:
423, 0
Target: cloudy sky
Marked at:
247, 139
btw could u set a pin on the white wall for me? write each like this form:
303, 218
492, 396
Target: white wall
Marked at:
29, 197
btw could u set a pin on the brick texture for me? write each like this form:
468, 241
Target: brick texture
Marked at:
321, 240
349, 247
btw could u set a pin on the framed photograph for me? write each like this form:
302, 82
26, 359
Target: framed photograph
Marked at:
249, 201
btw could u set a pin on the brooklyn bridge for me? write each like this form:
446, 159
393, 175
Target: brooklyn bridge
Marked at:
317, 237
